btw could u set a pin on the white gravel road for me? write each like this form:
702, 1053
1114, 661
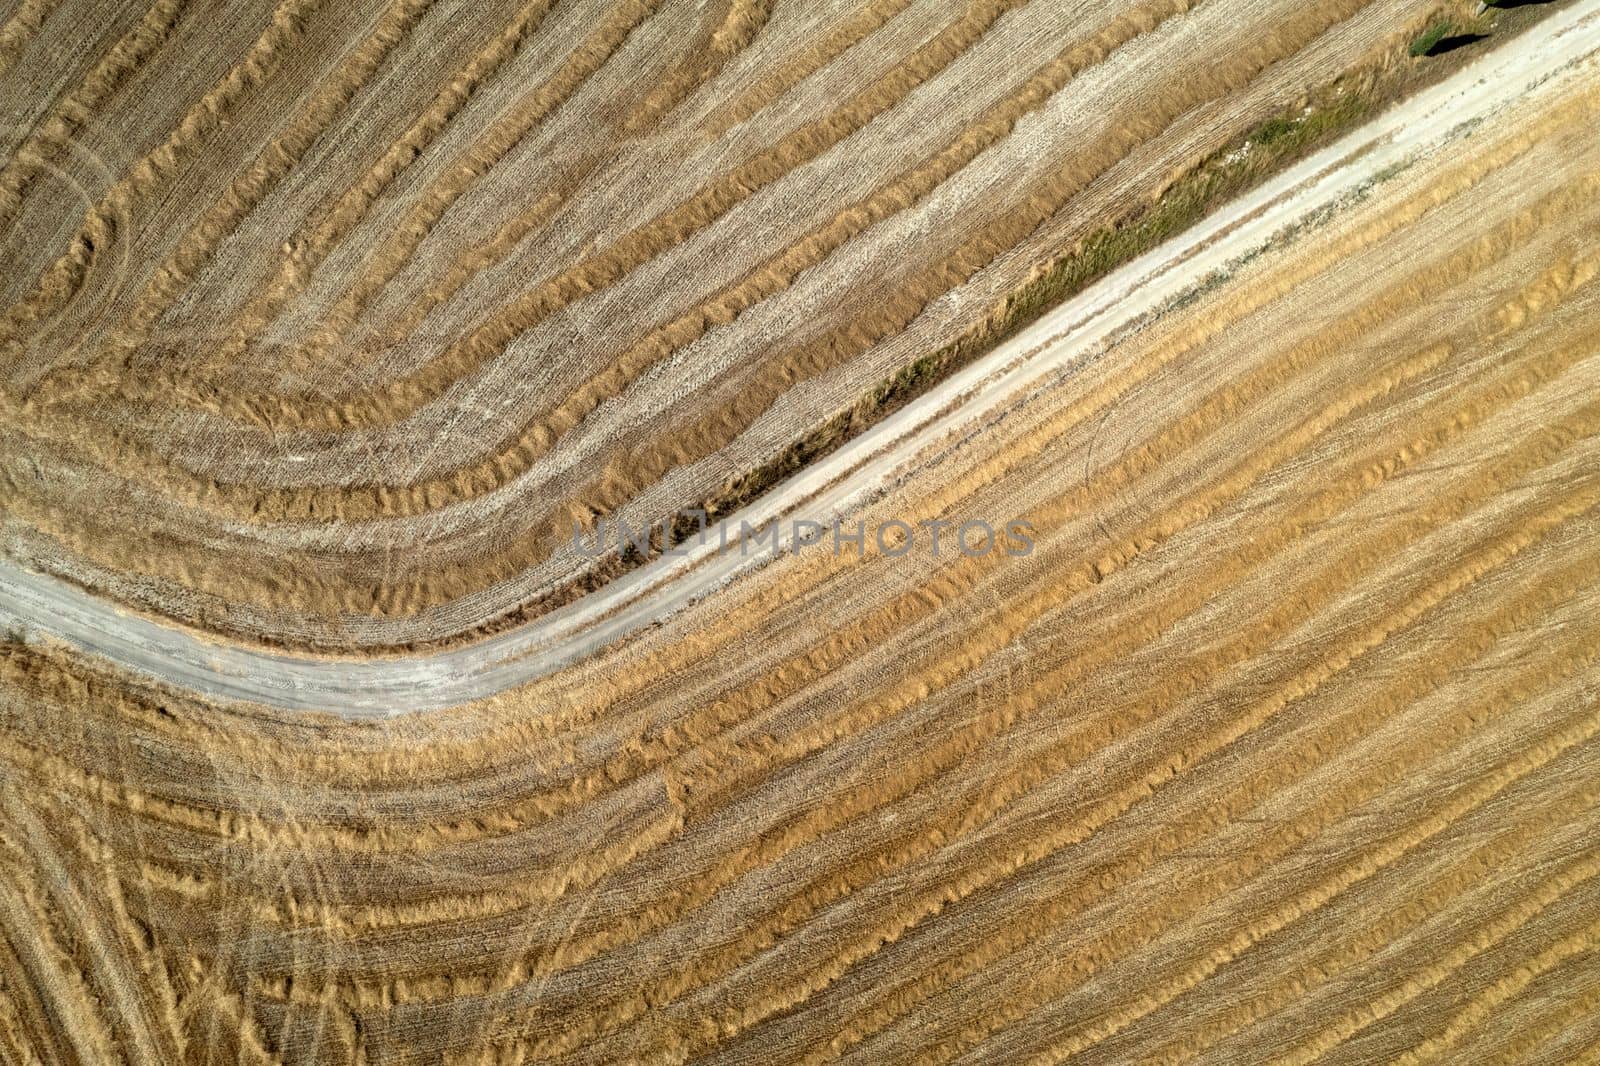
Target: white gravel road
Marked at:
1564, 47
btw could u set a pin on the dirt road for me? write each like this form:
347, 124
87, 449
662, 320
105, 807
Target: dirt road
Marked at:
1560, 52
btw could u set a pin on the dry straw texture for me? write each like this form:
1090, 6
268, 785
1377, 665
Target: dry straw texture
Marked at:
323, 322
1279, 747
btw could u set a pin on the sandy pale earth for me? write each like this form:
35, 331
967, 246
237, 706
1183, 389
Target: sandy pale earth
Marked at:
326, 321
1279, 745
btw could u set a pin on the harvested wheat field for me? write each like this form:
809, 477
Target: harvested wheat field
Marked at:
1245, 356
323, 322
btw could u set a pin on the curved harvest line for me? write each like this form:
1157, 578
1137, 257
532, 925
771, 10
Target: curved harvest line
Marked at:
45, 606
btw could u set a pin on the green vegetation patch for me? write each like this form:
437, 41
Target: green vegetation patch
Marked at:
1429, 39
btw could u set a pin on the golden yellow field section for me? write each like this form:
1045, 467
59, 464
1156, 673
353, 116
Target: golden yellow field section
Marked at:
323, 322
1279, 746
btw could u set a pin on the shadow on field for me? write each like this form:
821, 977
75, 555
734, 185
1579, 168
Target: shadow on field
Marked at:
1460, 40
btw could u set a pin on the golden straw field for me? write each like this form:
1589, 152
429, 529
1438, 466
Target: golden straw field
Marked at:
328, 332
1267, 335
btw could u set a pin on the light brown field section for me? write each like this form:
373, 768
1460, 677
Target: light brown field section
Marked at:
1283, 744
323, 323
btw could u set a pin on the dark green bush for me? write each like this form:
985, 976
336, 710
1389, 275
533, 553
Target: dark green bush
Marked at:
1430, 37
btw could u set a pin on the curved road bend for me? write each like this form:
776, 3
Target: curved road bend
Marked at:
1551, 55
